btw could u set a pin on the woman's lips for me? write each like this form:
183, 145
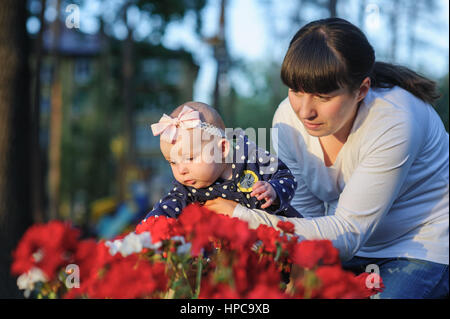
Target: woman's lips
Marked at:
312, 126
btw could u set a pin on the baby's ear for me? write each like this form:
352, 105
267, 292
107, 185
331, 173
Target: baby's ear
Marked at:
224, 145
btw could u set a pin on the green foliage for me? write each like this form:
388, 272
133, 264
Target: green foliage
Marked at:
170, 10
256, 109
87, 163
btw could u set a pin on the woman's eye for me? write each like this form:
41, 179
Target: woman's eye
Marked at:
324, 98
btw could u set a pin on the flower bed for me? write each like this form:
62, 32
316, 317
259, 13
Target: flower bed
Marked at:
199, 255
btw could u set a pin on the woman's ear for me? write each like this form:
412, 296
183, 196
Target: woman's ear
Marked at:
363, 89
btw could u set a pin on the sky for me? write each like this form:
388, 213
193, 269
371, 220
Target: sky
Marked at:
258, 33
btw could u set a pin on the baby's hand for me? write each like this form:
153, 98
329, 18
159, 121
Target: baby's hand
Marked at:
263, 190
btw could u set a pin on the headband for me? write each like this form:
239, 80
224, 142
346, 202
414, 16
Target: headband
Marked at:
188, 118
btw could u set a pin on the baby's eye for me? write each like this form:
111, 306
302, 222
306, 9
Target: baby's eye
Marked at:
187, 159
191, 158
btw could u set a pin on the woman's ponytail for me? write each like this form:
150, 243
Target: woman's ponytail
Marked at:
386, 75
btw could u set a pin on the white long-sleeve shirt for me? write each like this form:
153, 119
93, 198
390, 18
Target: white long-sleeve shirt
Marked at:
387, 192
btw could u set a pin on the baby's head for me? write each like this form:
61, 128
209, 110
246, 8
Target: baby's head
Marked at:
195, 146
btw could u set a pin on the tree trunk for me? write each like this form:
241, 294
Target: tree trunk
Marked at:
297, 16
222, 59
332, 8
128, 95
393, 21
37, 182
362, 14
15, 208
54, 174
128, 157
412, 22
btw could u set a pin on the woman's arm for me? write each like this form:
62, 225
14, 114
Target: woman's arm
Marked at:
366, 198
254, 217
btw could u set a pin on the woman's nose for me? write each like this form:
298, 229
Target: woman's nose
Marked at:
307, 110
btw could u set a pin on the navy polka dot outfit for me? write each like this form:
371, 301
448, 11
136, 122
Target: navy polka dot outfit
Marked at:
250, 164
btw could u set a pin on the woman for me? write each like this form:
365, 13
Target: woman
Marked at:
370, 156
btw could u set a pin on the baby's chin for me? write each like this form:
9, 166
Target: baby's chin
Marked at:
195, 184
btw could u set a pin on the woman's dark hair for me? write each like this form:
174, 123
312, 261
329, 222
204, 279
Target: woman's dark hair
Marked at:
332, 53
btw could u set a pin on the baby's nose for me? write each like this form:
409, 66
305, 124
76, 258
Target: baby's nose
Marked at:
183, 169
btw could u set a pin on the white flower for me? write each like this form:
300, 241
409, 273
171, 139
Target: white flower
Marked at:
184, 249
132, 243
27, 280
146, 240
114, 246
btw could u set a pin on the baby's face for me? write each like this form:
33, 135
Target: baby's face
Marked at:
191, 159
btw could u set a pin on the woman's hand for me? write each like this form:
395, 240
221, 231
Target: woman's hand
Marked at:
221, 206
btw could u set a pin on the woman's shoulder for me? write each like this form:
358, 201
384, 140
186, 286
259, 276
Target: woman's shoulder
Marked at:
396, 101
393, 114
394, 106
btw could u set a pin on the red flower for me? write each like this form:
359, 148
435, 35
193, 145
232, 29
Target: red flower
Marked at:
203, 227
93, 262
310, 253
372, 282
269, 237
85, 257
161, 228
129, 278
287, 227
234, 232
46, 246
198, 224
251, 270
124, 278
337, 283
261, 291
216, 291
233, 270
192, 216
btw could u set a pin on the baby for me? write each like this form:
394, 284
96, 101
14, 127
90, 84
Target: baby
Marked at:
207, 165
